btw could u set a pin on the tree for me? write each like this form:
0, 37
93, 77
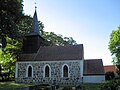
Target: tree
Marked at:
59, 40
25, 25
10, 15
114, 47
8, 56
109, 75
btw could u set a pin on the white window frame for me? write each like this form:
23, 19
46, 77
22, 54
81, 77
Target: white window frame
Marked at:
44, 70
63, 70
27, 70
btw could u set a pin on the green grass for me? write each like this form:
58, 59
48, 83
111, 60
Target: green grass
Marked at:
85, 86
91, 86
12, 84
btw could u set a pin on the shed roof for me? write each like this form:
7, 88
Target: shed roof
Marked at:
51, 53
93, 67
110, 68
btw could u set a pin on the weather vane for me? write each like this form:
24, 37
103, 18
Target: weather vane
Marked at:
35, 5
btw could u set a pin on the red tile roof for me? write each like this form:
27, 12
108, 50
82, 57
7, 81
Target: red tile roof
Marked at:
47, 53
110, 68
93, 67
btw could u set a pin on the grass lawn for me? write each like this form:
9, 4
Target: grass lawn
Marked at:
12, 84
91, 86
85, 86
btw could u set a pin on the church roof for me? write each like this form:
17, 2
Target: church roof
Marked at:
52, 53
35, 26
93, 67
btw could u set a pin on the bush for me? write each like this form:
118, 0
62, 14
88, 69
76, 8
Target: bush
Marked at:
40, 87
66, 88
79, 87
110, 85
109, 75
57, 86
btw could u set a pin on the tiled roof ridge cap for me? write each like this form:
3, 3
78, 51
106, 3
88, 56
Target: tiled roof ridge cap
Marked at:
92, 59
61, 45
108, 65
27, 53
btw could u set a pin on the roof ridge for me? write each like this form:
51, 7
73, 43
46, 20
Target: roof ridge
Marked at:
61, 45
92, 59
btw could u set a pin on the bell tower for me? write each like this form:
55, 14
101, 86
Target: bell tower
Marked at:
33, 39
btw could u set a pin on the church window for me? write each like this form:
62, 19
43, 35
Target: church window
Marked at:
65, 71
46, 71
29, 71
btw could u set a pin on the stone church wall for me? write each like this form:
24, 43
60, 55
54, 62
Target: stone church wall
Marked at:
74, 74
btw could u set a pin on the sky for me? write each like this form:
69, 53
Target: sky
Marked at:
89, 22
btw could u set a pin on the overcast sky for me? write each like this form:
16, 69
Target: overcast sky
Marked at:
89, 22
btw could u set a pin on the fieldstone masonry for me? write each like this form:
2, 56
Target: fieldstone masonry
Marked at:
56, 72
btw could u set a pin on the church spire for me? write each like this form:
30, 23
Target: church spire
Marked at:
35, 27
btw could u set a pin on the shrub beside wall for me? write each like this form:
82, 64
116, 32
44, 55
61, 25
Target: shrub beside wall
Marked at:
111, 85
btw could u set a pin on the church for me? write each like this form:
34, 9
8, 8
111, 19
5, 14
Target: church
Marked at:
41, 62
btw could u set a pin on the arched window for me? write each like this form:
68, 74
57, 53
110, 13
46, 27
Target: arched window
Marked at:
47, 71
65, 71
29, 71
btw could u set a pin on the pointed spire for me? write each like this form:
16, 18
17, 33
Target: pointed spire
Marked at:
35, 27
